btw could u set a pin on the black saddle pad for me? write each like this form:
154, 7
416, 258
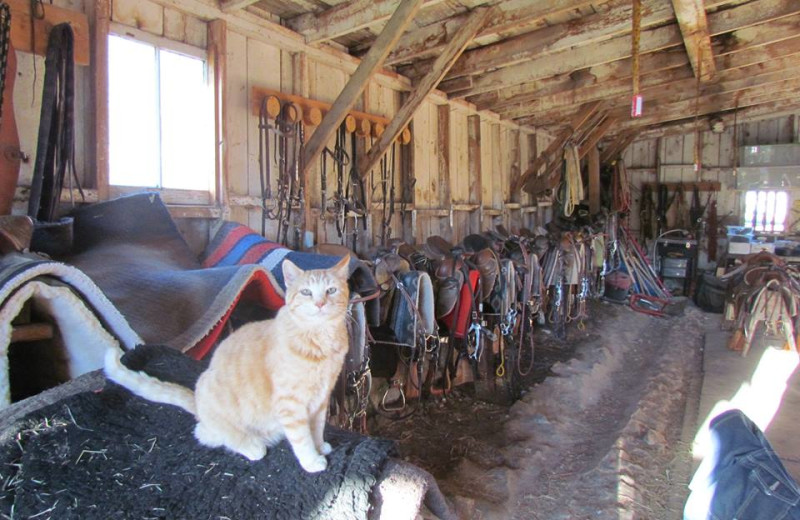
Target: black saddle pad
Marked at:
111, 454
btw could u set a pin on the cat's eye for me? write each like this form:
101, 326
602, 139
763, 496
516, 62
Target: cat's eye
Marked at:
331, 290
305, 292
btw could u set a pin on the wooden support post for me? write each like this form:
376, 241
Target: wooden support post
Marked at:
443, 142
586, 113
594, 180
217, 52
440, 67
100, 21
371, 62
691, 15
597, 134
516, 159
474, 163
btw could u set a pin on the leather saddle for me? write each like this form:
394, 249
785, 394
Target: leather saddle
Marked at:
357, 333
413, 308
387, 267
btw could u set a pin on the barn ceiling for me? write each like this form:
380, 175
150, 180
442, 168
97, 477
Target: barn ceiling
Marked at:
544, 63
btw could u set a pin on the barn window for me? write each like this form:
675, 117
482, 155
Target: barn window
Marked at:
765, 210
161, 126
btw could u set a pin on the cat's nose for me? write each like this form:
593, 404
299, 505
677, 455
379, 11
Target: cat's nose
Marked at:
319, 304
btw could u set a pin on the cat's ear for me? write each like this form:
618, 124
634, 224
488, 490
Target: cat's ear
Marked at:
342, 268
290, 272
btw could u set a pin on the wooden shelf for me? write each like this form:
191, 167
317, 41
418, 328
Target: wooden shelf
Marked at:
360, 122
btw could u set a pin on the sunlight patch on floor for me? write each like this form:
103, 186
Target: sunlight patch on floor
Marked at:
759, 398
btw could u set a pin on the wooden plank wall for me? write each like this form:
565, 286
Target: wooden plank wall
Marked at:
463, 162
670, 159
440, 166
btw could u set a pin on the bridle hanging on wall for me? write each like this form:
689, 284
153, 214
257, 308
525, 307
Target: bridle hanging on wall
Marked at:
288, 138
387, 185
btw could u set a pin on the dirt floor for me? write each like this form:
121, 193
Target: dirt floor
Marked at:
598, 434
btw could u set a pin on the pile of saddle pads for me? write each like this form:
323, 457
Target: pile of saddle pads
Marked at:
91, 449
765, 291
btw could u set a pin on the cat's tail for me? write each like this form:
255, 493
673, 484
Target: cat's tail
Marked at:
146, 386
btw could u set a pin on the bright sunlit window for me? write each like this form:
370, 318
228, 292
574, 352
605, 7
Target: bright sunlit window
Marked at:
766, 210
161, 127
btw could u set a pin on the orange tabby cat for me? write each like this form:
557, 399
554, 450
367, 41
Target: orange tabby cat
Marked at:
270, 379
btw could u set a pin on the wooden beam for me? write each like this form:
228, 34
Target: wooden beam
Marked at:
657, 98
101, 17
660, 87
584, 31
753, 113
614, 79
345, 18
512, 16
616, 147
744, 17
218, 64
692, 20
443, 63
592, 139
594, 180
474, 158
586, 112
684, 110
359, 80
566, 82
443, 145
231, 5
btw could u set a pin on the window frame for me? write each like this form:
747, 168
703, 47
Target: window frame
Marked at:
207, 202
789, 201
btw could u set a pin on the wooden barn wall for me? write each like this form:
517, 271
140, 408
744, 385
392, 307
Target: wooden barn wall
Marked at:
27, 97
455, 177
443, 199
670, 159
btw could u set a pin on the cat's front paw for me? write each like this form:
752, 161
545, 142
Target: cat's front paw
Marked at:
326, 448
314, 464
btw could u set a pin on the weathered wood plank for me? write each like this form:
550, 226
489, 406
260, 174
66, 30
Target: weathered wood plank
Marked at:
692, 20
232, 5
358, 81
783, 27
511, 15
474, 157
594, 180
661, 88
586, 112
345, 18
443, 144
442, 64
101, 15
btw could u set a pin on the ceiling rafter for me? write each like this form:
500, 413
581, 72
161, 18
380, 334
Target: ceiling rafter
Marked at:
443, 63
512, 16
659, 86
691, 15
232, 5
348, 97
345, 18
781, 15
